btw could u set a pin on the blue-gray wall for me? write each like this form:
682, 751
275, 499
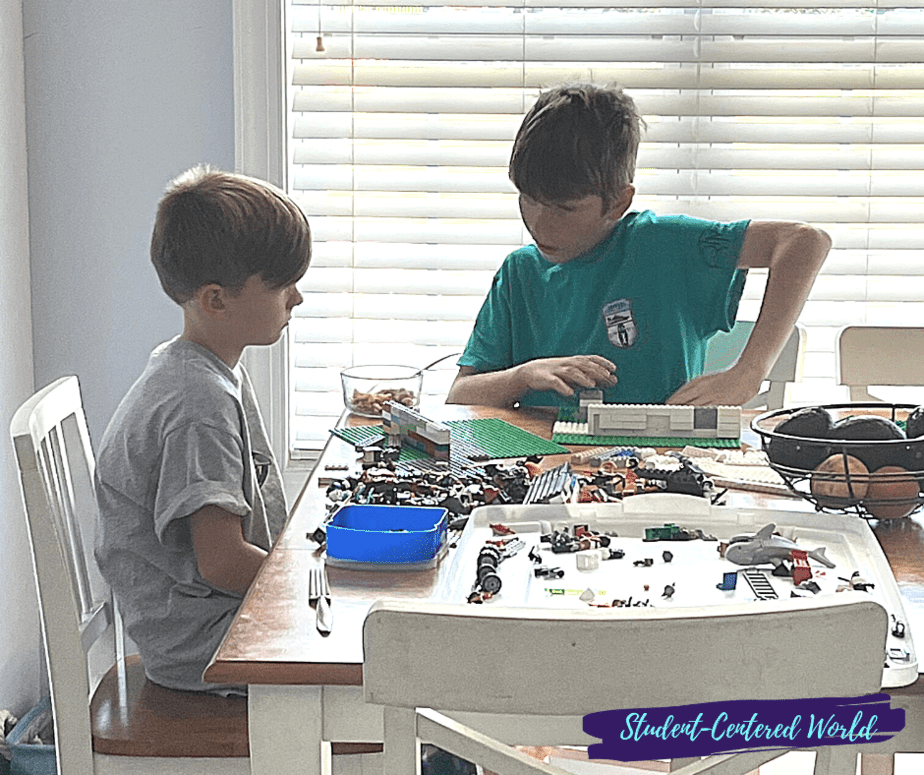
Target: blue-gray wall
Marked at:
120, 96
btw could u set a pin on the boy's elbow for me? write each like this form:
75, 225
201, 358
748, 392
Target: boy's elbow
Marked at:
229, 572
806, 244
820, 239
817, 250
457, 391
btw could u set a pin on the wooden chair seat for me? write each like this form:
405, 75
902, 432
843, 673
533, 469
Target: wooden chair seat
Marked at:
150, 720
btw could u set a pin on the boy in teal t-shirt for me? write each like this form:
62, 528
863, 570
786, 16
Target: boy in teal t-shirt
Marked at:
616, 300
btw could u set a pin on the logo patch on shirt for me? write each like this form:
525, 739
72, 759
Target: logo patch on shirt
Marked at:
621, 326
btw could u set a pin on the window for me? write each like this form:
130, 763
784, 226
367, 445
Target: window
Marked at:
399, 133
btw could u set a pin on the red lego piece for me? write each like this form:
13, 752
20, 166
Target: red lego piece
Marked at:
800, 567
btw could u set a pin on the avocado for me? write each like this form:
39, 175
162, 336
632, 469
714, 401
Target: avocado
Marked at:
914, 457
866, 428
812, 423
870, 428
914, 425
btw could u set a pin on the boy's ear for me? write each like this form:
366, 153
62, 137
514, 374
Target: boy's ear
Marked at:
621, 203
210, 299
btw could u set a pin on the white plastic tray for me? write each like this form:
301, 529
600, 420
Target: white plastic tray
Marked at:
694, 571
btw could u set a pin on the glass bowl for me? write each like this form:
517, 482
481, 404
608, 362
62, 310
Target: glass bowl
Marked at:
366, 389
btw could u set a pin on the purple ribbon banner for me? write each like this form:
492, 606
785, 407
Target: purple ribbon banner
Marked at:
731, 727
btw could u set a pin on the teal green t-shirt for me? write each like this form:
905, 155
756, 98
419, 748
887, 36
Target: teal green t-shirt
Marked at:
648, 298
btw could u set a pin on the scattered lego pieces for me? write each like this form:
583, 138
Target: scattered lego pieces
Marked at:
565, 542
558, 485
687, 479
856, 581
671, 532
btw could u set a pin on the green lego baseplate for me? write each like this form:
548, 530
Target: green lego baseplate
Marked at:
487, 438
642, 441
498, 438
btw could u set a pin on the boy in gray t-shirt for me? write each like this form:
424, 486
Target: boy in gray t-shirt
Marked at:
190, 496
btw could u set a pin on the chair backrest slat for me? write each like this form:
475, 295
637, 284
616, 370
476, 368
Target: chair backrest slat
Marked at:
55, 459
569, 663
64, 507
879, 355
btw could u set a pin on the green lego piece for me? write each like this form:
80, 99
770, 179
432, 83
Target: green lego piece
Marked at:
642, 441
361, 434
486, 437
498, 438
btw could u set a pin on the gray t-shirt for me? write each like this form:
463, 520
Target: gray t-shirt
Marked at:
187, 434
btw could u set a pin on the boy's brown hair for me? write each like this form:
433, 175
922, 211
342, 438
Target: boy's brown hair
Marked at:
218, 227
578, 140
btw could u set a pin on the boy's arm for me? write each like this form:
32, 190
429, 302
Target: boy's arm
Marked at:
505, 387
226, 560
794, 253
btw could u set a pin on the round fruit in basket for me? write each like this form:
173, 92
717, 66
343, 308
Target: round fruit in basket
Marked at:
870, 428
839, 480
914, 424
811, 425
892, 492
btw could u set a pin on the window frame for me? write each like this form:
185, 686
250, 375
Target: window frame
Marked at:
259, 150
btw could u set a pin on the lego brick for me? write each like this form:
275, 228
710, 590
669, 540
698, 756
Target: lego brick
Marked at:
705, 417
681, 419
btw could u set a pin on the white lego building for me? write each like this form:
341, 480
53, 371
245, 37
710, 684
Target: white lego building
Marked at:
664, 421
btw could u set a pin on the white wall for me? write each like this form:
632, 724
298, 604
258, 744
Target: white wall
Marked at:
120, 96
19, 653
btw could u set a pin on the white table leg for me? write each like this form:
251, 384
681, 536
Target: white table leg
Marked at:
286, 725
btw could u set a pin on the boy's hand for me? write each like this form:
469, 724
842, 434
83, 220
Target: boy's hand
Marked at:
733, 387
564, 374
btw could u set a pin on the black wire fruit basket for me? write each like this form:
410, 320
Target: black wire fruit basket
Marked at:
875, 478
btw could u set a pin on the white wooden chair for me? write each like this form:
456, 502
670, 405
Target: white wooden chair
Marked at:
724, 348
887, 356
108, 717
467, 677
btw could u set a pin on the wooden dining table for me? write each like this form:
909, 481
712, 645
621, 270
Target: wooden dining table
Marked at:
305, 689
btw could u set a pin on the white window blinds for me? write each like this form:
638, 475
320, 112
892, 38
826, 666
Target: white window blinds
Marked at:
400, 132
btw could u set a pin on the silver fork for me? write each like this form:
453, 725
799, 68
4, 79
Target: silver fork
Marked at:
319, 599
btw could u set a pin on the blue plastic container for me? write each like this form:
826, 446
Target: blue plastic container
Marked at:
31, 758
387, 535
